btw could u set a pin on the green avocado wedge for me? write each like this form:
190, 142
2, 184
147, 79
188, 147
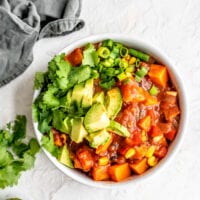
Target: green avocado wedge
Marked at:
96, 118
98, 138
88, 93
78, 132
113, 102
99, 97
77, 94
118, 129
65, 157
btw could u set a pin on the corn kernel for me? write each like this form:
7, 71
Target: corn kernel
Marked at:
127, 57
132, 60
150, 151
124, 59
103, 160
144, 136
152, 161
131, 152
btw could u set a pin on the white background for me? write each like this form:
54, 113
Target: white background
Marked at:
171, 25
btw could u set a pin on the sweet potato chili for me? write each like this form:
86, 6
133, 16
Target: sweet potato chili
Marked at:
107, 110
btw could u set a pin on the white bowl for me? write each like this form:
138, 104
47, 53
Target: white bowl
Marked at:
162, 58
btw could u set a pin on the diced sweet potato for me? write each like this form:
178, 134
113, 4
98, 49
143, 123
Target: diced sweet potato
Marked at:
100, 173
158, 74
140, 166
150, 100
119, 172
85, 158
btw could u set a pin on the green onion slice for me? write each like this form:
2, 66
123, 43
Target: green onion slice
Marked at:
153, 90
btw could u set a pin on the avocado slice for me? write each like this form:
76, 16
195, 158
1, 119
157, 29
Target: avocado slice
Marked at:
88, 93
99, 97
113, 102
78, 131
67, 124
77, 94
96, 118
98, 138
118, 129
64, 157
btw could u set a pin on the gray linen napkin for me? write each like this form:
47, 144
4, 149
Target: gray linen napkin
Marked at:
23, 22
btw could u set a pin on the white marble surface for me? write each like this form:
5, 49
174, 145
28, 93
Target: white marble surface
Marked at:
173, 26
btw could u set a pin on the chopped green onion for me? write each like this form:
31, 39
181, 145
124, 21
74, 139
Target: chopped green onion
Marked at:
122, 76
100, 67
94, 74
108, 62
113, 55
116, 50
117, 61
118, 45
123, 64
123, 51
137, 62
117, 71
103, 52
141, 72
108, 71
138, 78
139, 54
153, 90
108, 43
130, 68
95, 58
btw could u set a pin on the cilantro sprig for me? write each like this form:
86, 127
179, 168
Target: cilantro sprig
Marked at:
16, 155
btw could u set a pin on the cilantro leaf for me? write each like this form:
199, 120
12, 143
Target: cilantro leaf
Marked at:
19, 129
8, 176
6, 157
39, 80
28, 161
5, 137
34, 146
89, 55
15, 155
48, 144
19, 148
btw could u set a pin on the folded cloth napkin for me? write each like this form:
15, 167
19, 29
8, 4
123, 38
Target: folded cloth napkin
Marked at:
23, 22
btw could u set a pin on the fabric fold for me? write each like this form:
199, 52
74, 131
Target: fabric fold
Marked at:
23, 22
